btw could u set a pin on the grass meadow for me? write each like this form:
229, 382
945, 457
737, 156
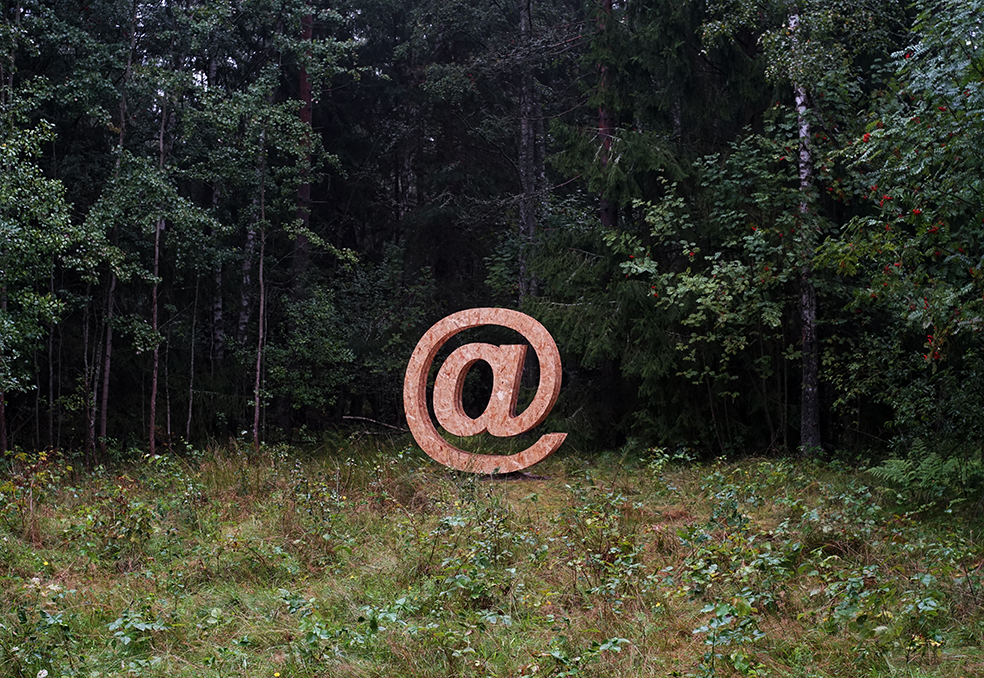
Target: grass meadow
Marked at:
365, 558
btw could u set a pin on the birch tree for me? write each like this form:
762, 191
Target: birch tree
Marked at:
810, 46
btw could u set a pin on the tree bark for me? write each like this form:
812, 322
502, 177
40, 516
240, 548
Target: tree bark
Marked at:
527, 152
259, 349
246, 270
606, 126
302, 246
7, 78
406, 179
262, 312
191, 365
167, 389
217, 349
158, 229
108, 348
3, 422
3, 395
810, 440
107, 362
51, 370
91, 370
217, 352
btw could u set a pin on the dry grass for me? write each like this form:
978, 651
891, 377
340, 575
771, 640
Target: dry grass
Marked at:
377, 562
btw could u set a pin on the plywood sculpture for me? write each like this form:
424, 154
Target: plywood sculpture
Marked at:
500, 418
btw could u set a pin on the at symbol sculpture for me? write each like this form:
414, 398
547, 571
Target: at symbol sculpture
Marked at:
500, 418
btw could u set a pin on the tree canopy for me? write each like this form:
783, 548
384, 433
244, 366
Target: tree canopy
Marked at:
749, 226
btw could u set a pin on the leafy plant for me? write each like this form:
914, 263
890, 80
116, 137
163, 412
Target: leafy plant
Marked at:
133, 630
43, 636
928, 476
732, 626
29, 478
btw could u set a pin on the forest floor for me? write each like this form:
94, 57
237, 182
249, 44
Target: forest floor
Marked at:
369, 559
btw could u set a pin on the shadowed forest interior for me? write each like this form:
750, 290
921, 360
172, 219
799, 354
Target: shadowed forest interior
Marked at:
750, 227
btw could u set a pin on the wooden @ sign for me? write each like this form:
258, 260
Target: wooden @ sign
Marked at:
500, 418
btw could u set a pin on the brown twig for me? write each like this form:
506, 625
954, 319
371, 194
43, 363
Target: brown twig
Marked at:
378, 423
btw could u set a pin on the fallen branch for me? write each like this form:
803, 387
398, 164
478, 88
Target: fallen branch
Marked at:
378, 423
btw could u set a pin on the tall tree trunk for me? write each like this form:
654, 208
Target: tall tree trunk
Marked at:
405, 178
51, 387
158, 229
3, 422
51, 370
302, 246
810, 440
167, 388
217, 349
245, 300
37, 403
527, 152
540, 154
7, 75
3, 396
58, 382
106, 362
606, 124
262, 285
259, 347
191, 364
94, 357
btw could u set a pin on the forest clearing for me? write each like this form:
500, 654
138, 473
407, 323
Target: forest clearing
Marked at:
751, 228
368, 559
754, 229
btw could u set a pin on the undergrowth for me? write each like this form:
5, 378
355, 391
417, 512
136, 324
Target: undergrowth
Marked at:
372, 560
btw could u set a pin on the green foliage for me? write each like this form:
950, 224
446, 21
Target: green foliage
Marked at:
385, 308
313, 363
721, 263
911, 255
599, 319
732, 627
926, 475
829, 35
131, 629
305, 563
23, 492
678, 327
43, 635
662, 87
35, 232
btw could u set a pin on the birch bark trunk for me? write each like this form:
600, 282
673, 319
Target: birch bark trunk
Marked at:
107, 362
246, 271
810, 440
6, 92
217, 352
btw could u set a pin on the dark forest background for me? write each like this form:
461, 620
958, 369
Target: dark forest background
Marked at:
750, 226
